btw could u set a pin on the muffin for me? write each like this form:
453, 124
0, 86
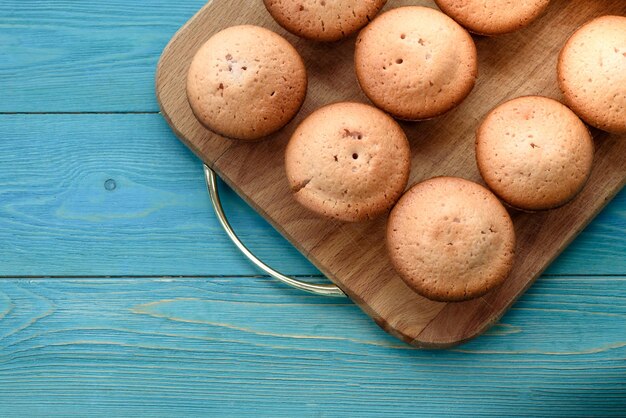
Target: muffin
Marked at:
246, 82
534, 153
493, 17
415, 62
592, 73
348, 161
450, 239
325, 20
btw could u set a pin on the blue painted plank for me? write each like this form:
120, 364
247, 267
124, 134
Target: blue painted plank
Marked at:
79, 56
117, 195
231, 346
57, 216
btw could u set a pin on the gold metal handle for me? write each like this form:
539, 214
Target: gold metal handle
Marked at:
318, 289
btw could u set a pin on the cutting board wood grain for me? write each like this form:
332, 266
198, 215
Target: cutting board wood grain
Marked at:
353, 255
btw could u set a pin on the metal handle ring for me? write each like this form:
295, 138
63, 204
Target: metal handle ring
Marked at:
318, 289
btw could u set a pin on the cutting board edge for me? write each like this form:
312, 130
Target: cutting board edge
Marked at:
428, 344
485, 325
158, 83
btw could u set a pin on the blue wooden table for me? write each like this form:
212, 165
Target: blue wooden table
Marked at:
120, 294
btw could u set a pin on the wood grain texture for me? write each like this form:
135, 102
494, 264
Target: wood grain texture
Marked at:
57, 217
236, 346
84, 56
353, 256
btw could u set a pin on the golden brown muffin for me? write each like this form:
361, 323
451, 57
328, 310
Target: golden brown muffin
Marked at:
348, 161
451, 239
534, 153
246, 82
493, 17
592, 73
415, 62
323, 20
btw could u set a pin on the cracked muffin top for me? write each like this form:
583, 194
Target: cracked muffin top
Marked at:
348, 161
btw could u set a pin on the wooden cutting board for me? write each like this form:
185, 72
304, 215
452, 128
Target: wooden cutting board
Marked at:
353, 255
